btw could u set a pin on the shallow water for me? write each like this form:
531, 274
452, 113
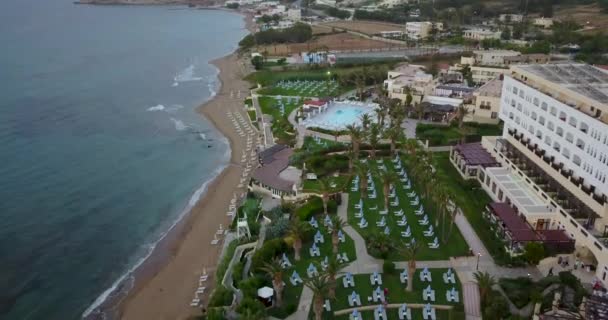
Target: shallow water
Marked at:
101, 147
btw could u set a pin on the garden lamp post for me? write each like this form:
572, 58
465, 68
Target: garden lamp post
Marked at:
328, 77
477, 266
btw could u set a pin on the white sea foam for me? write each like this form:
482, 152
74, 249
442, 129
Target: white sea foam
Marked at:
174, 107
175, 84
179, 125
186, 75
150, 247
203, 136
158, 107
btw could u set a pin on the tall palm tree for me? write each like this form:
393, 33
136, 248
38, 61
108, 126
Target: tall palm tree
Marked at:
374, 138
274, 270
394, 133
351, 159
440, 197
485, 282
461, 113
410, 146
380, 241
297, 231
337, 224
334, 266
355, 138
410, 255
320, 288
366, 120
387, 179
419, 109
361, 169
325, 189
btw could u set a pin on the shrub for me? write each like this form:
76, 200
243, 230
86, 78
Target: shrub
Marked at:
250, 286
314, 206
215, 314
388, 267
221, 296
534, 252
267, 252
252, 307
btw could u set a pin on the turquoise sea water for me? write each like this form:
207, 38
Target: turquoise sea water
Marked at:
100, 146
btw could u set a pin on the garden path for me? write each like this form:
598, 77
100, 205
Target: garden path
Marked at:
266, 127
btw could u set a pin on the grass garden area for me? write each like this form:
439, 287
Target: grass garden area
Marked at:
292, 293
454, 246
442, 135
303, 88
396, 295
280, 109
472, 200
312, 144
337, 183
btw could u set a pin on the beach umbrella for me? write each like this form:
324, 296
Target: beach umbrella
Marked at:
265, 292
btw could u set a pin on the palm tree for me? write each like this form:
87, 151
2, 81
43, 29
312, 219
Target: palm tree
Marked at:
366, 120
394, 133
374, 136
274, 270
325, 189
351, 158
333, 270
461, 113
320, 288
355, 138
297, 231
380, 241
419, 109
337, 224
387, 179
440, 197
410, 146
361, 169
485, 282
410, 255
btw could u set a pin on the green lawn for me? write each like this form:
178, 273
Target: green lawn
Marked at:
312, 145
341, 182
307, 88
394, 314
292, 294
396, 289
271, 106
457, 245
442, 135
472, 200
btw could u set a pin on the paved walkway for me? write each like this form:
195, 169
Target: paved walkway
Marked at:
265, 127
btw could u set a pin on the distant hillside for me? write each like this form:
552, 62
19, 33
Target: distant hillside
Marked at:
153, 2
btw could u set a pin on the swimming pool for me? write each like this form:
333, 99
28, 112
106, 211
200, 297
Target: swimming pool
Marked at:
340, 114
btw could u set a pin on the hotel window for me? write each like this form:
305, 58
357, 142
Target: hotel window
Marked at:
572, 121
531, 129
569, 137
584, 127
511, 115
581, 145
550, 126
553, 111
536, 102
541, 120
548, 140
560, 131
534, 116
562, 116
515, 90
556, 146
521, 94
543, 106
539, 134
519, 107
517, 120
576, 159
566, 153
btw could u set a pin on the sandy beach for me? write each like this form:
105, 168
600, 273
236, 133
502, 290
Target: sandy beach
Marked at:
167, 293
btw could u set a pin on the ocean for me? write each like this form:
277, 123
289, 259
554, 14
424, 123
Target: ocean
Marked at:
100, 145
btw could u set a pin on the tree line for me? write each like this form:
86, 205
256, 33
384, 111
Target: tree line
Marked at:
299, 33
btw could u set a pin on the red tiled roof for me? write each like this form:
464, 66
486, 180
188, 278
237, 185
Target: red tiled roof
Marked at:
518, 227
474, 155
317, 103
554, 236
274, 164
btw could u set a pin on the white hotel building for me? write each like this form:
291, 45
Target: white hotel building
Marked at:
553, 154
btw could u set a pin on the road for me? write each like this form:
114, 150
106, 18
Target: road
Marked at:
412, 52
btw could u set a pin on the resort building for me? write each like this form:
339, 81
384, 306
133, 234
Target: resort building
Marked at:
482, 75
294, 14
409, 78
543, 22
493, 58
480, 34
510, 18
392, 34
421, 30
315, 106
454, 91
274, 176
534, 58
554, 154
439, 109
486, 103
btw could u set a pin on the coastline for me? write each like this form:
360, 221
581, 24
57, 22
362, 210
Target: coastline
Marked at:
164, 284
